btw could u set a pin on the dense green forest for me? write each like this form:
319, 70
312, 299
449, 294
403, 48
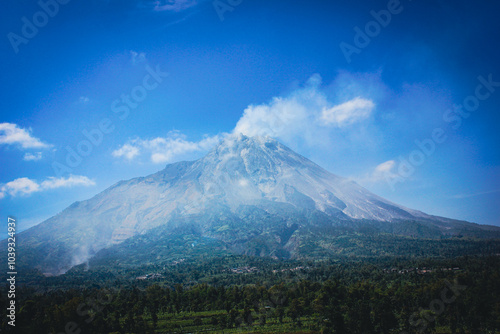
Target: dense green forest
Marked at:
262, 295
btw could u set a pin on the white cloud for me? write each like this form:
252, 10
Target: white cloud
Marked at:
11, 134
385, 172
127, 151
348, 112
24, 186
286, 118
32, 156
306, 114
308, 117
277, 119
385, 167
21, 186
167, 149
70, 181
164, 149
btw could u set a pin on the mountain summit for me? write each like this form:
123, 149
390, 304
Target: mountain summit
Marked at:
247, 170
253, 194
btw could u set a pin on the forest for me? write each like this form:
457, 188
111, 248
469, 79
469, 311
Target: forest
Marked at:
244, 294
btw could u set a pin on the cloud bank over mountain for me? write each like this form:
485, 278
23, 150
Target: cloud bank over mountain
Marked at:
308, 115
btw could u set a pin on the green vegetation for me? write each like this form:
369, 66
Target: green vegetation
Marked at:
358, 281
242, 294
157, 247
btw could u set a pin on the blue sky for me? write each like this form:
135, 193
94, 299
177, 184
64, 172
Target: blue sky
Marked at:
401, 96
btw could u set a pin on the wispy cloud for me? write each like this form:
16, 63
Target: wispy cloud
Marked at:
12, 134
174, 5
84, 100
32, 156
24, 186
385, 167
164, 149
385, 172
308, 115
462, 196
348, 112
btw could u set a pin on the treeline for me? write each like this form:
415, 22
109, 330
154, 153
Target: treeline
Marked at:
351, 300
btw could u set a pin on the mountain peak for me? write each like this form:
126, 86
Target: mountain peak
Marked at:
258, 159
239, 141
243, 169
241, 172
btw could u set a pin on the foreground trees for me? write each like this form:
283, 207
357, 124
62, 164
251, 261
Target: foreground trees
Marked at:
365, 299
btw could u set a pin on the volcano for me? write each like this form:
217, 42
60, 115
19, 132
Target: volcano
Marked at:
249, 195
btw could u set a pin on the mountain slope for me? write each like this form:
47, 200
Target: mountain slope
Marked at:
244, 188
